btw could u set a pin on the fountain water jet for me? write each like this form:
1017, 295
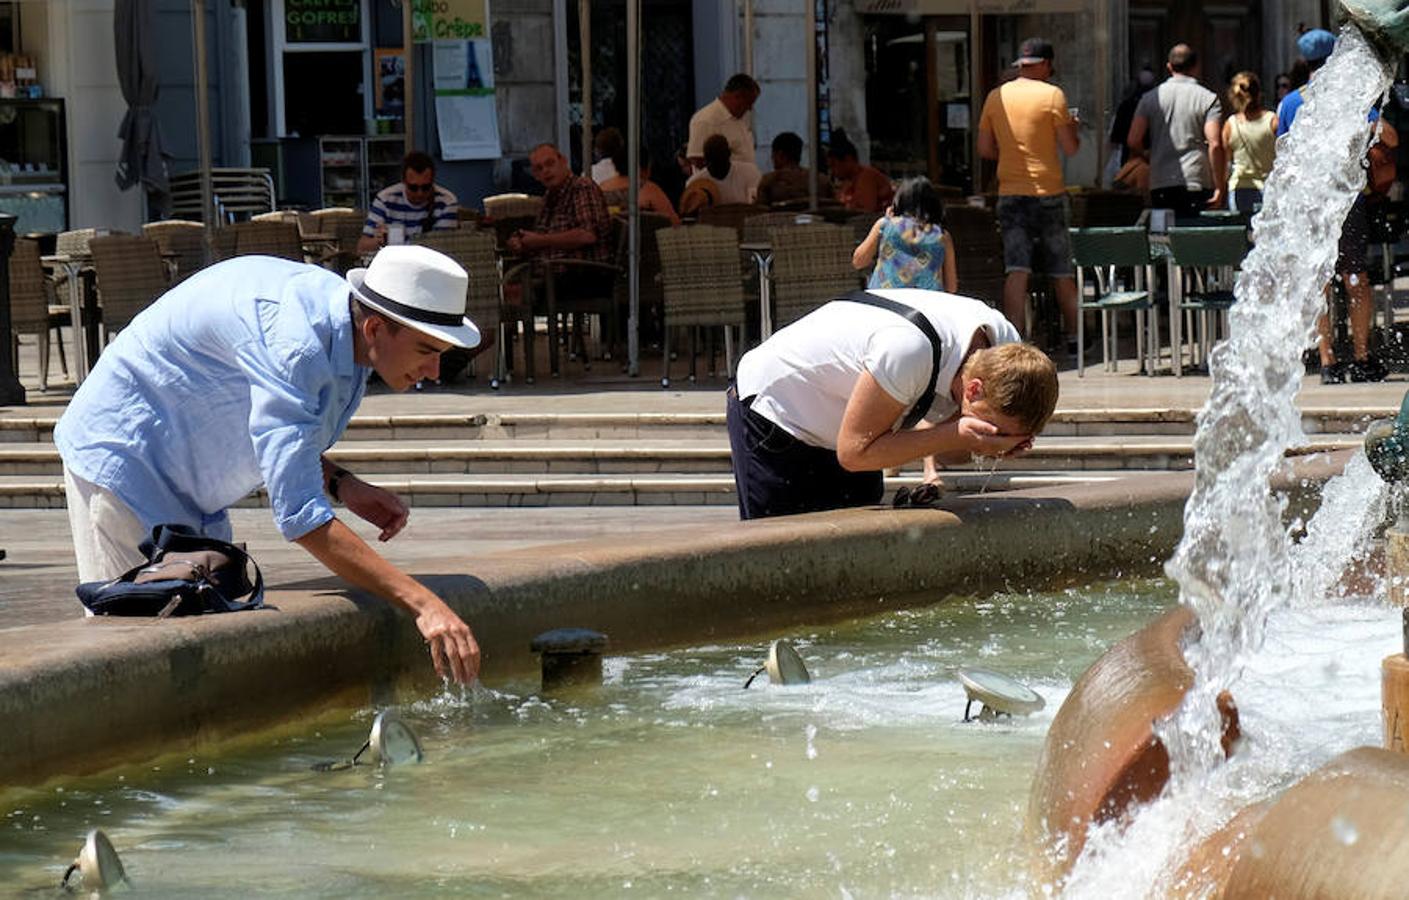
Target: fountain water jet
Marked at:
1237, 561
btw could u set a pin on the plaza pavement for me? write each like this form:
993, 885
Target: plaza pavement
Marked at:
37, 577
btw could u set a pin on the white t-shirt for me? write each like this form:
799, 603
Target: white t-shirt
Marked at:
715, 118
739, 186
603, 170
802, 377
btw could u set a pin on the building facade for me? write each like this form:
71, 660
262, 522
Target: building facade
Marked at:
904, 78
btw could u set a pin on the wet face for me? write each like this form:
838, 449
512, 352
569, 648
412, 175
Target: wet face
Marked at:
549, 167
974, 404
419, 186
402, 356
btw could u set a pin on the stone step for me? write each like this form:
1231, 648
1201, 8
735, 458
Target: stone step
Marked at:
688, 426
47, 492
706, 456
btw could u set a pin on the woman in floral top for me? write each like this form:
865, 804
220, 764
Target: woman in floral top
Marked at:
909, 245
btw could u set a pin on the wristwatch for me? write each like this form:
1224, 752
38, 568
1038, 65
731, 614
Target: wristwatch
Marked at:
337, 476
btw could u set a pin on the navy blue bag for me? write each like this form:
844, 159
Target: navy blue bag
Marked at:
186, 574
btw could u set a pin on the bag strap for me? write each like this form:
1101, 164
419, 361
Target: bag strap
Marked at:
922, 405
178, 539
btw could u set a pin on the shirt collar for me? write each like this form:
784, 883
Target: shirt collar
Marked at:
1180, 76
340, 317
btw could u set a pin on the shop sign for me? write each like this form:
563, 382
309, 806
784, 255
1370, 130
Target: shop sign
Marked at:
322, 21
965, 7
449, 20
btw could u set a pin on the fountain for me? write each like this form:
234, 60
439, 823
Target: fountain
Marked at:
1148, 732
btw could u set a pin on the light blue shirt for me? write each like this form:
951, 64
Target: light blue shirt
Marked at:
242, 375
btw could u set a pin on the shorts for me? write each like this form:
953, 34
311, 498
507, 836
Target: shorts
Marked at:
1355, 237
1035, 234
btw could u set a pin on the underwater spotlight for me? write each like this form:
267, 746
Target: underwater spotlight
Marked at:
98, 863
784, 666
391, 742
998, 694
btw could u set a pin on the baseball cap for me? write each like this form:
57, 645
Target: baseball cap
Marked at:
1316, 44
1032, 51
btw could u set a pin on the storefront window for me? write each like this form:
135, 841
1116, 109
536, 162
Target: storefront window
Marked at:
912, 62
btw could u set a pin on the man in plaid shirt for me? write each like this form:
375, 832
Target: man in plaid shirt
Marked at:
574, 223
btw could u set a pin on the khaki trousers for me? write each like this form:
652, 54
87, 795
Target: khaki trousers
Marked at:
106, 534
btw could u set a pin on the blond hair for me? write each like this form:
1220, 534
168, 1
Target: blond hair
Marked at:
1018, 380
1245, 92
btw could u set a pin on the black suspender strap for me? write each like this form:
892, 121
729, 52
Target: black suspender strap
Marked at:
922, 405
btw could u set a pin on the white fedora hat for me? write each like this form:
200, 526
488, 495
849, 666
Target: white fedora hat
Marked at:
419, 288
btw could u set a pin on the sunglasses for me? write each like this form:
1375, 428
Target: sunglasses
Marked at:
419, 188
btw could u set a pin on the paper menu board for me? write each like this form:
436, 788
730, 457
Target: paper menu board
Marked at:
466, 116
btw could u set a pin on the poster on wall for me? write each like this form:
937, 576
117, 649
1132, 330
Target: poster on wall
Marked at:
390, 94
465, 113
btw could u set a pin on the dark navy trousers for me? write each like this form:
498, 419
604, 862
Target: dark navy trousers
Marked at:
775, 474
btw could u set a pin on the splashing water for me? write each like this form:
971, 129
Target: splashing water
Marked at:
1236, 562
1353, 504
1233, 564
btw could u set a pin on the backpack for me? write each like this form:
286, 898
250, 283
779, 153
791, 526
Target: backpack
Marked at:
185, 574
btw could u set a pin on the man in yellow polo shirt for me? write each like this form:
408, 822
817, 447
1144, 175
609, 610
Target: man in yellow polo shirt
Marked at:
1022, 125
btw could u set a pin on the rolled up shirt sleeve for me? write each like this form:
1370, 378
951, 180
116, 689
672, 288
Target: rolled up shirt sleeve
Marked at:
285, 425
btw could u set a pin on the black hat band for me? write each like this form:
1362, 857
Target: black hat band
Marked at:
414, 313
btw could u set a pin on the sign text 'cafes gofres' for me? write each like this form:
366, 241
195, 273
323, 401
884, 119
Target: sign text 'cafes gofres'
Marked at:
322, 21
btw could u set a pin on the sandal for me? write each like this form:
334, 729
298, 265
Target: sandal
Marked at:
921, 496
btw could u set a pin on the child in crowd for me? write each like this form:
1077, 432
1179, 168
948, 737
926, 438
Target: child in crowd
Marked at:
909, 244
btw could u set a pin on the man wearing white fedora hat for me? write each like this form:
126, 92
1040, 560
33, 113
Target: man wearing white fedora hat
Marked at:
242, 375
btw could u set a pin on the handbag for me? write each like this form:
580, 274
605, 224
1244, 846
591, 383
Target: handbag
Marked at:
186, 574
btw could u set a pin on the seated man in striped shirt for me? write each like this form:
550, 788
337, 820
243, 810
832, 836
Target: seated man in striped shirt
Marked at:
416, 203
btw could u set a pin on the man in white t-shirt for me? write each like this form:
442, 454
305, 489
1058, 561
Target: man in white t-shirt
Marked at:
726, 115
735, 182
875, 380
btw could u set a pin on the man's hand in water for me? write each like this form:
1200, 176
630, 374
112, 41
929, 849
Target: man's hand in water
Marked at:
376, 505
454, 651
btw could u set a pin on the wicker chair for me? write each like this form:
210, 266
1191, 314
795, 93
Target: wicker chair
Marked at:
474, 251
32, 307
811, 265
650, 293
701, 284
267, 239
758, 229
74, 243
344, 225
978, 252
731, 215
130, 275
182, 241
512, 206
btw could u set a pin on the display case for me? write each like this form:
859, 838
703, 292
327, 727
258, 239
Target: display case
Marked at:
354, 168
34, 164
